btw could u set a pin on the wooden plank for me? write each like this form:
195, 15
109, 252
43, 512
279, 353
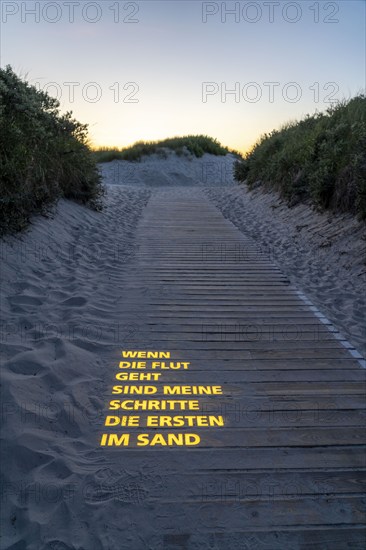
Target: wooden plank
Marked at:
242, 375
242, 438
288, 416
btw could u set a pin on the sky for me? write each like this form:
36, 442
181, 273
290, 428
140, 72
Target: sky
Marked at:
147, 70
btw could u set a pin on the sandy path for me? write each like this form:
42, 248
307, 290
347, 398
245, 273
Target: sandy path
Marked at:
62, 284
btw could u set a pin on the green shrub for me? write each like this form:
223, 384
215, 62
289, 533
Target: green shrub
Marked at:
44, 155
321, 159
196, 145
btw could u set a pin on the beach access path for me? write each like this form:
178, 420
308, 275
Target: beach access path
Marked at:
243, 428
286, 468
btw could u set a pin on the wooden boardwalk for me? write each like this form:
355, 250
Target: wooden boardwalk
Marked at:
286, 471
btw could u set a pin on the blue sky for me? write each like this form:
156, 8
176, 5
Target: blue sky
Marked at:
139, 70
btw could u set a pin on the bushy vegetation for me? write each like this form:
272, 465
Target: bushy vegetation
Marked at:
196, 145
44, 155
321, 159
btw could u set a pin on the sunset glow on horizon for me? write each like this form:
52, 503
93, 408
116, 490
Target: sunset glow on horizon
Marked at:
150, 70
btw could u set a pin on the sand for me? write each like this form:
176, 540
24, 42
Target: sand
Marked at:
183, 170
62, 296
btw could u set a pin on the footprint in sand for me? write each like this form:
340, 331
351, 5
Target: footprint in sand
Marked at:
24, 300
26, 367
21, 285
57, 295
75, 301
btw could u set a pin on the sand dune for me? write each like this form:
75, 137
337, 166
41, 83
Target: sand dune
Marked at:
182, 170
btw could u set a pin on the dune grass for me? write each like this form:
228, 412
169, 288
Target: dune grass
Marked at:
321, 159
196, 145
44, 155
